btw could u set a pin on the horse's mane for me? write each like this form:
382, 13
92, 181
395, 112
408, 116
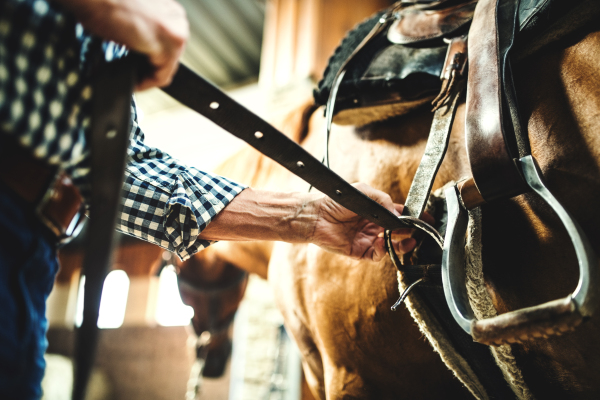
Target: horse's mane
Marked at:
251, 168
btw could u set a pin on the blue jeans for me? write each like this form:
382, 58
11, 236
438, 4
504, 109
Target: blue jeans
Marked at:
28, 266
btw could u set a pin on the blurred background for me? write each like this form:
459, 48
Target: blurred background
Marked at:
268, 55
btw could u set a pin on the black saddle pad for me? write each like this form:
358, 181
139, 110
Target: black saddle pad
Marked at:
385, 72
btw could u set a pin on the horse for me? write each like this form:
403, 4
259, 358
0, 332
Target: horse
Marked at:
256, 257
337, 309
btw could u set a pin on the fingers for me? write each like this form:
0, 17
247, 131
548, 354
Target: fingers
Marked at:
377, 252
427, 218
385, 200
381, 197
157, 29
399, 208
161, 76
405, 245
170, 39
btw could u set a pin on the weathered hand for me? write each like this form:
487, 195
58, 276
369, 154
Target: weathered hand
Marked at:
155, 28
341, 231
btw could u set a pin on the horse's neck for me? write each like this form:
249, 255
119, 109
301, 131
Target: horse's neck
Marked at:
252, 257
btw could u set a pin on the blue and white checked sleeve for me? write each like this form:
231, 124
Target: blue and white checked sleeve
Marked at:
45, 97
166, 202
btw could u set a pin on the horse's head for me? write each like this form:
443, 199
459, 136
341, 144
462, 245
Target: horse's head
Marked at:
214, 288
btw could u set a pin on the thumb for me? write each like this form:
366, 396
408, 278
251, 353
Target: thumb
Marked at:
380, 197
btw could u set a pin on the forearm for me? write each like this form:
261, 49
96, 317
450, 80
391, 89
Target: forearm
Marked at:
262, 215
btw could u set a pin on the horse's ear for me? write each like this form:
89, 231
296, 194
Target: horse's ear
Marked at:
304, 125
295, 124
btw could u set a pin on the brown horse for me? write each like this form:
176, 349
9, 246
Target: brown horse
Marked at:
338, 309
560, 96
300, 287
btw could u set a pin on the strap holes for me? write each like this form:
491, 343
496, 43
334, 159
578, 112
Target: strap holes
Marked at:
258, 135
300, 164
111, 133
375, 216
214, 105
338, 192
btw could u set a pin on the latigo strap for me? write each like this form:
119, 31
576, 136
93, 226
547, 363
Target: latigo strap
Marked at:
201, 96
111, 107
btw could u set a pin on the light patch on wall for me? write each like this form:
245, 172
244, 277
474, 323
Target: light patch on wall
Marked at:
170, 310
113, 302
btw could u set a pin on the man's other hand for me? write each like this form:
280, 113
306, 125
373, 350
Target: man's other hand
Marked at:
156, 28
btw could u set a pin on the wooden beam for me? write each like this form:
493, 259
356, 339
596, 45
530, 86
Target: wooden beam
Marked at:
301, 35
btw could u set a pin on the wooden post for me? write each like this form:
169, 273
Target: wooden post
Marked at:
300, 36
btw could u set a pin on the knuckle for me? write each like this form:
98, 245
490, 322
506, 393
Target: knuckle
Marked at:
166, 81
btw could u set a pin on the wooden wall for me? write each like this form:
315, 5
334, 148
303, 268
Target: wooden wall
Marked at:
300, 35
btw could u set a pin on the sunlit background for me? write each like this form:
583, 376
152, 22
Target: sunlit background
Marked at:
170, 310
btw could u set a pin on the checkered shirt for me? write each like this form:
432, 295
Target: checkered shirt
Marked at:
45, 94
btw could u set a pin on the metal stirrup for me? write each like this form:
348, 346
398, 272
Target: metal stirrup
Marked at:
551, 318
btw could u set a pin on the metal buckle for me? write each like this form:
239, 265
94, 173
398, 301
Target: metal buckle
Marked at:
63, 234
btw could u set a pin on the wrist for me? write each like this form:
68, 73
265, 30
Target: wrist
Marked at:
304, 220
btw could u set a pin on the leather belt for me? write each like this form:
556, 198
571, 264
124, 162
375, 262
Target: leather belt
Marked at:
53, 197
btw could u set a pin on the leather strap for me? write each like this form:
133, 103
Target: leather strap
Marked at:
492, 165
201, 96
111, 107
418, 194
416, 26
53, 197
435, 150
436, 147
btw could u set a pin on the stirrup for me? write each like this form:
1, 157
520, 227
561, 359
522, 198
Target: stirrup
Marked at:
551, 318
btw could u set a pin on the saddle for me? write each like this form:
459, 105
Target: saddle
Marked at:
400, 67
399, 60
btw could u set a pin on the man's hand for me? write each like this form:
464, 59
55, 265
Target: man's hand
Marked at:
306, 218
155, 28
341, 231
